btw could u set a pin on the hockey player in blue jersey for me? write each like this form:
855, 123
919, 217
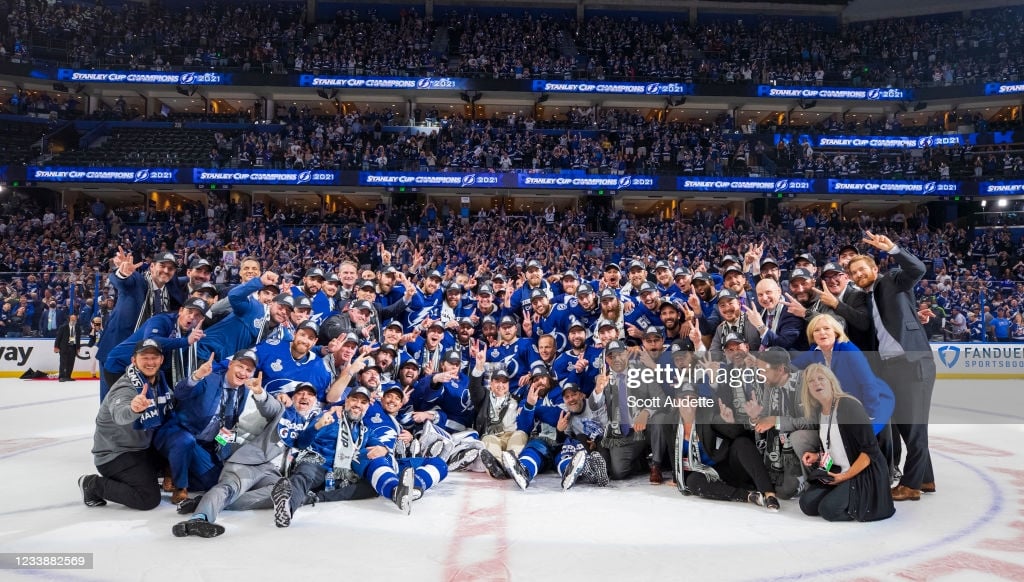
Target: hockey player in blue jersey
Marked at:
548, 318
449, 394
519, 302
485, 305
425, 302
251, 471
385, 428
565, 288
578, 364
326, 301
312, 283
644, 314
512, 351
295, 361
337, 445
250, 321
538, 417
428, 348
582, 424
586, 306
176, 333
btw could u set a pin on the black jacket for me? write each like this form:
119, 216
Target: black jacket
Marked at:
870, 497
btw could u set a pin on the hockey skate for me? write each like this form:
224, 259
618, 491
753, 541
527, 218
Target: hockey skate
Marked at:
402, 495
515, 469
575, 468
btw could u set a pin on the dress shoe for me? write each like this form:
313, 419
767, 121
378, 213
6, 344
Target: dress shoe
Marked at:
928, 487
179, 496
656, 478
168, 483
904, 493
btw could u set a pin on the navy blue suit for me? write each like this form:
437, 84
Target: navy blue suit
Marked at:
193, 455
132, 297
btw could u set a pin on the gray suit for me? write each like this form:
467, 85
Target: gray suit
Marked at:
626, 449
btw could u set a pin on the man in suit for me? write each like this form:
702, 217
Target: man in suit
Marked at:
848, 302
52, 318
207, 405
139, 296
66, 344
777, 326
901, 356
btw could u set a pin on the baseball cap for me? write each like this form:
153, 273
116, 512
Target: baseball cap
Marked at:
682, 344
730, 259
806, 257
285, 299
570, 274
305, 386
246, 354
701, 276
453, 288
361, 391
574, 322
331, 277
537, 294
197, 303
615, 346
666, 302
584, 289
571, 386
534, 265
726, 294
831, 268
199, 264
681, 272
146, 345
209, 289
646, 287
732, 338
485, 289
651, 330
452, 357
849, 247
366, 284
165, 257
608, 293
351, 337
612, 266
435, 274
389, 348
635, 264
507, 320
500, 374
769, 261
303, 302
308, 325
732, 269
361, 304
662, 265
393, 388
775, 356
436, 323
488, 320
539, 370
603, 323
801, 273
315, 272
465, 321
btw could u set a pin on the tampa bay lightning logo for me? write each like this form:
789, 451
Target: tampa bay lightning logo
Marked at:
188, 78
929, 188
781, 185
423, 84
469, 180
874, 93
949, 355
625, 182
141, 175
925, 142
305, 177
652, 89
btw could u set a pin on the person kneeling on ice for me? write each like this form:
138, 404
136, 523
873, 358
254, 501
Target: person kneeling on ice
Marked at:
137, 405
538, 417
496, 421
253, 469
715, 459
337, 451
583, 423
384, 428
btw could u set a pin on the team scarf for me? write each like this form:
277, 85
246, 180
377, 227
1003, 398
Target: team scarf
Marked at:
692, 460
182, 360
346, 449
160, 402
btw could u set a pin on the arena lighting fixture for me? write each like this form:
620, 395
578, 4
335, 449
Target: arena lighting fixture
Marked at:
1002, 202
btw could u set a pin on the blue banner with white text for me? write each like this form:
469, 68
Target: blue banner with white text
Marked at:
103, 175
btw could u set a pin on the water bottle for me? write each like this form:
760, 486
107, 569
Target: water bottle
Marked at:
329, 481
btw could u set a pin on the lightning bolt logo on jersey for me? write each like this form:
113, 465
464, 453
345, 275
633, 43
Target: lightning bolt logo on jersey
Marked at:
555, 323
421, 307
279, 368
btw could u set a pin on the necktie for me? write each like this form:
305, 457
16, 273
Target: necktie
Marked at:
71, 334
625, 422
871, 318
229, 405
769, 318
158, 301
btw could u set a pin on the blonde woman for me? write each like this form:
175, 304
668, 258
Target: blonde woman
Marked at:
857, 484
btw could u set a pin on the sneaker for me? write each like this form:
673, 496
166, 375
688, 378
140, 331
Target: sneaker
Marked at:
190, 505
462, 459
598, 469
756, 498
493, 465
771, 503
90, 497
576, 467
515, 469
197, 527
281, 495
402, 495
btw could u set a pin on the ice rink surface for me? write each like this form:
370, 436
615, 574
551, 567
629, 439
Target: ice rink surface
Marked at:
471, 528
